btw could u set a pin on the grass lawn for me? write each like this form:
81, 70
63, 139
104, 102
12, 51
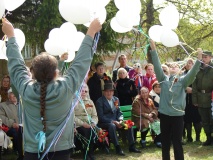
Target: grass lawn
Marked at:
192, 151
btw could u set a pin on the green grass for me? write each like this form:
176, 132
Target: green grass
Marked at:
192, 151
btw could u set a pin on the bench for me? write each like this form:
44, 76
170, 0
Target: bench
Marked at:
127, 113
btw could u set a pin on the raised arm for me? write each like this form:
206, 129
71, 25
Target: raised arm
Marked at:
190, 76
16, 65
156, 62
77, 71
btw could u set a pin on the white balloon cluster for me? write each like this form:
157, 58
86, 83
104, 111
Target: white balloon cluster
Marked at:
169, 18
20, 39
127, 16
83, 11
9, 5
64, 39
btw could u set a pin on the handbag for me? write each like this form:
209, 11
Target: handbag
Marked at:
155, 126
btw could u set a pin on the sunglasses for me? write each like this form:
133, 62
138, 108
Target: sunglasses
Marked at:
84, 91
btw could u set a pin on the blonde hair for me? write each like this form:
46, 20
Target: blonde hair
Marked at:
120, 70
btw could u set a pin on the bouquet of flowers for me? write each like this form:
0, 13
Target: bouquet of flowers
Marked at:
102, 135
127, 124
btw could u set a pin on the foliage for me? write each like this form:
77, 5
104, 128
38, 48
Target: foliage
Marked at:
37, 17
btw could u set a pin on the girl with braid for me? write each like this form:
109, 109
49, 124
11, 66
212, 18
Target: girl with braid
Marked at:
47, 99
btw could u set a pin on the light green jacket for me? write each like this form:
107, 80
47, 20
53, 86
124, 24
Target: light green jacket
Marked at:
58, 99
173, 98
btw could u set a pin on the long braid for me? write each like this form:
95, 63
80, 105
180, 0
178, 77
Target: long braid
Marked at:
43, 104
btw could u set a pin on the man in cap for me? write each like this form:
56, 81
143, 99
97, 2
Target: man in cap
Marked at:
110, 118
201, 93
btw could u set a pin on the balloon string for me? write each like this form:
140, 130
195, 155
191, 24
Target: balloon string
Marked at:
179, 33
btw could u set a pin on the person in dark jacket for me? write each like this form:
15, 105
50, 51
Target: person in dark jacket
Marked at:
110, 118
123, 63
202, 89
97, 81
191, 112
126, 89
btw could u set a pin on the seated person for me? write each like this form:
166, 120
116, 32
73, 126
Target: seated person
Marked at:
143, 113
85, 118
110, 118
9, 116
155, 94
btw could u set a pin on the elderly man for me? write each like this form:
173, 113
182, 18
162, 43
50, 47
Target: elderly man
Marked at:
201, 94
122, 59
9, 116
110, 118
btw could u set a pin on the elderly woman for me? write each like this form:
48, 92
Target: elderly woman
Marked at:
144, 113
86, 119
125, 87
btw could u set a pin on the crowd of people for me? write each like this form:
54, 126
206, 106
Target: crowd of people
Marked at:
166, 96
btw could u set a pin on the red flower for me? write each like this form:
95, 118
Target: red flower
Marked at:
102, 135
127, 124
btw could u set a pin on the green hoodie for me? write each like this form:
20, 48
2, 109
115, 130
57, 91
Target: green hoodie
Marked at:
58, 99
172, 97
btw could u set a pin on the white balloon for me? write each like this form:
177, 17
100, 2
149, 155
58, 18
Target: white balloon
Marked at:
55, 33
169, 38
78, 40
77, 12
99, 3
100, 14
2, 8
68, 31
3, 50
20, 38
125, 19
130, 5
54, 47
71, 56
117, 28
136, 20
11, 5
155, 32
169, 17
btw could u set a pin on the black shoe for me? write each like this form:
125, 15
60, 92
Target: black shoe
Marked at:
143, 144
206, 143
119, 151
158, 144
134, 150
189, 139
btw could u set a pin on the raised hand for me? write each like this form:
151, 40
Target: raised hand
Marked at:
152, 44
7, 28
200, 52
94, 27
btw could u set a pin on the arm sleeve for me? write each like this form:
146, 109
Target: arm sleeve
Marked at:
94, 113
157, 66
190, 76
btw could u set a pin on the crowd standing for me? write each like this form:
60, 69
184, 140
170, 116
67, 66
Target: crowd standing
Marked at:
163, 98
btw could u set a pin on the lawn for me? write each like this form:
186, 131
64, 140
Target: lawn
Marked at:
192, 151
